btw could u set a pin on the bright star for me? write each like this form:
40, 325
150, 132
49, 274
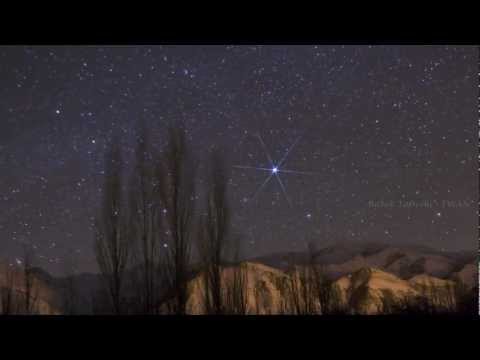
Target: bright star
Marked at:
275, 169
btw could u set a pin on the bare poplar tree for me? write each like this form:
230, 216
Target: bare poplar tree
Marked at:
177, 194
300, 295
111, 240
304, 285
214, 233
144, 220
236, 286
7, 292
30, 290
70, 293
325, 291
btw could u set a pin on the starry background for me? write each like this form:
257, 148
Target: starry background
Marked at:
369, 124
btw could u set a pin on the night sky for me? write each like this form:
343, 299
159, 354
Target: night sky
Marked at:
345, 128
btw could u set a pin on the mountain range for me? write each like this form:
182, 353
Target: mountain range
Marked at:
364, 275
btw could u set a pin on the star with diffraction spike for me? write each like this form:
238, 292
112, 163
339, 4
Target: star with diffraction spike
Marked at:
275, 169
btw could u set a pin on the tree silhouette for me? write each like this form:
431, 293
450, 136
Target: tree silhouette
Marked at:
176, 191
7, 295
236, 286
213, 237
145, 225
111, 238
30, 290
70, 291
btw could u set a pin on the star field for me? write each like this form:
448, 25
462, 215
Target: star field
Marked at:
386, 150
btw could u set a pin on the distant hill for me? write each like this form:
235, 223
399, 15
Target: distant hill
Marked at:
403, 261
